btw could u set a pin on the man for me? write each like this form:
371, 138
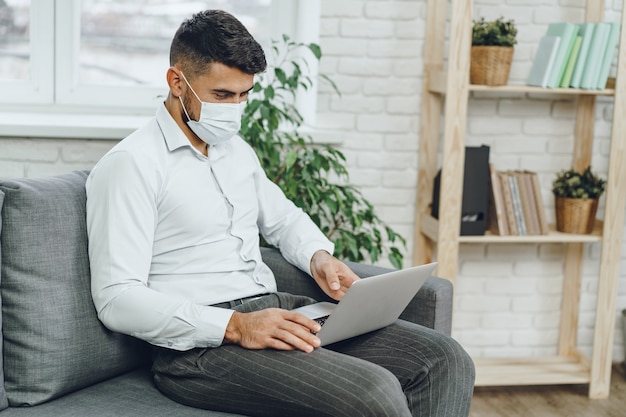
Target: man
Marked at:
174, 212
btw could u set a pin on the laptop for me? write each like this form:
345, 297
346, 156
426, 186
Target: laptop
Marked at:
369, 304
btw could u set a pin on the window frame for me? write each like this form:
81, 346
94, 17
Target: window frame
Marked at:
38, 89
69, 92
52, 104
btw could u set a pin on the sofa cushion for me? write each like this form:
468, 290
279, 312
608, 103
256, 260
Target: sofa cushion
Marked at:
53, 340
130, 395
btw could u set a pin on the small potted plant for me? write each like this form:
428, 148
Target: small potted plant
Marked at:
492, 51
576, 198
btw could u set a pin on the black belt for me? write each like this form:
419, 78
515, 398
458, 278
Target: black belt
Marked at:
240, 301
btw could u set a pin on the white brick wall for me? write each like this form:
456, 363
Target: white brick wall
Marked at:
27, 157
507, 296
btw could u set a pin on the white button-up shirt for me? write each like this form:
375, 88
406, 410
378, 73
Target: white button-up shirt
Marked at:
172, 232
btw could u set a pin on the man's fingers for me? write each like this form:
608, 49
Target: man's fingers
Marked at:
332, 276
277, 329
295, 341
302, 320
296, 332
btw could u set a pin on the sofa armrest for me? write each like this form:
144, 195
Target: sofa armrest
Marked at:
431, 307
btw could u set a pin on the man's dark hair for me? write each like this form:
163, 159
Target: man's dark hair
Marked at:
215, 36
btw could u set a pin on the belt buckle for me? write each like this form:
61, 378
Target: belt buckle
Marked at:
238, 301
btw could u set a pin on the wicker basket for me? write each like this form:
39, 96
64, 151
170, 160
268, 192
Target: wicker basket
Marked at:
575, 215
490, 65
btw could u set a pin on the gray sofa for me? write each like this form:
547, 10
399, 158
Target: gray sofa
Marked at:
57, 359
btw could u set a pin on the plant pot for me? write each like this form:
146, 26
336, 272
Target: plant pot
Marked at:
490, 65
575, 215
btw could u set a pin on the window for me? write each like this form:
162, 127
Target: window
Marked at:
74, 61
26, 74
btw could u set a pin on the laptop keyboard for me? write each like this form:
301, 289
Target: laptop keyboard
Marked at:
321, 320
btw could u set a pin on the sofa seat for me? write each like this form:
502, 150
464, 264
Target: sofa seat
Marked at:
130, 394
56, 358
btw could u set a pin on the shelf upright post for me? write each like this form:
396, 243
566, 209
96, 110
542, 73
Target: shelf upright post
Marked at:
610, 257
457, 94
434, 46
573, 257
586, 103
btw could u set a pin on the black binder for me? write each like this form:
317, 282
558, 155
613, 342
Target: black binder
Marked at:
476, 184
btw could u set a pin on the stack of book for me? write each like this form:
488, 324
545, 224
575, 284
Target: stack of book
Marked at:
575, 55
516, 206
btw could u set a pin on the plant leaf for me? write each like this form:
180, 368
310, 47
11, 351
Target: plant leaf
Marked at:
303, 170
317, 51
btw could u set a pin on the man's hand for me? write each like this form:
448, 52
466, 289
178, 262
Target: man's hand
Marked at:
333, 276
273, 328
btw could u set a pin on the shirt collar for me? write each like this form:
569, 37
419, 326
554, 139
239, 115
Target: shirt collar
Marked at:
175, 138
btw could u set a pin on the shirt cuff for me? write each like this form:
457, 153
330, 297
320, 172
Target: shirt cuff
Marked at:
209, 330
306, 254
217, 319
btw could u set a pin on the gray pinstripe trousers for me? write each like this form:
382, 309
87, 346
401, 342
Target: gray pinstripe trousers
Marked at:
401, 370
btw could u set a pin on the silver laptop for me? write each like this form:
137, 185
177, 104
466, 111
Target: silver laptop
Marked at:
369, 304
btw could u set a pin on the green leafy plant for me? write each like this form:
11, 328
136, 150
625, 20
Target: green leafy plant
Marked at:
494, 33
573, 184
303, 169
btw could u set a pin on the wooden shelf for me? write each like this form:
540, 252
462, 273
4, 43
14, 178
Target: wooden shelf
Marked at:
539, 90
531, 371
444, 117
438, 84
430, 227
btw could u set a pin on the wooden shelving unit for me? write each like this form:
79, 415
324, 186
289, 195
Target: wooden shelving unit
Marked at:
447, 87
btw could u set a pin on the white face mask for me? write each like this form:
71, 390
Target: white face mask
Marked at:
218, 122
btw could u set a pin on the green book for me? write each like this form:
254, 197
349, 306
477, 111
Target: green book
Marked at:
596, 53
585, 30
544, 61
567, 32
609, 54
569, 69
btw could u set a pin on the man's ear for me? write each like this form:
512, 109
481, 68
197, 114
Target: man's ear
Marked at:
174, 81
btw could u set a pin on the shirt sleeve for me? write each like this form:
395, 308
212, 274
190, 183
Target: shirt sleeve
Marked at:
121, 220
287, 226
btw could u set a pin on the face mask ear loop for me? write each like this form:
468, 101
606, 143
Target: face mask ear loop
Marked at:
189, 85
184, 109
